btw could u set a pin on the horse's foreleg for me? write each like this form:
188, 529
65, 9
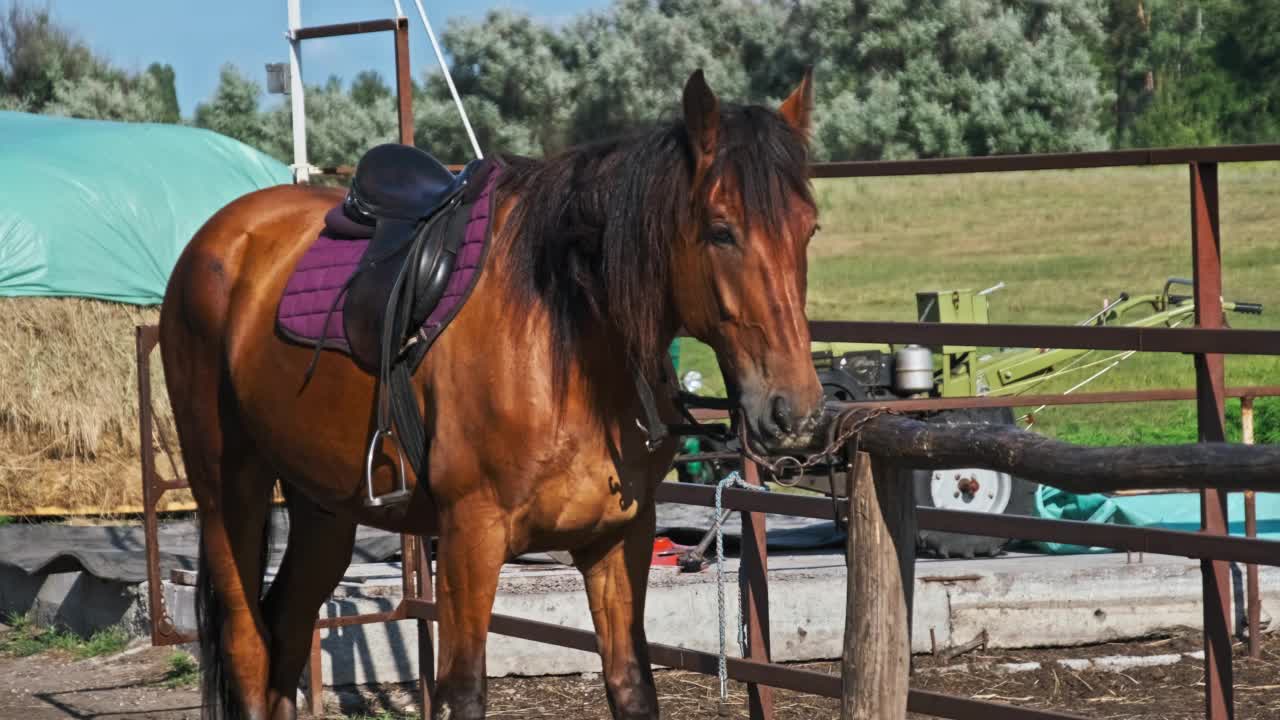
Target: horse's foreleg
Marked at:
616, 571
471, 550
317, 555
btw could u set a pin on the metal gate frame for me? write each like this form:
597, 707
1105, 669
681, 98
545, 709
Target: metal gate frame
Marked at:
1208, 343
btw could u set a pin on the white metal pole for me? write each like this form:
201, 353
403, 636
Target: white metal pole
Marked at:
301, 168
444, 68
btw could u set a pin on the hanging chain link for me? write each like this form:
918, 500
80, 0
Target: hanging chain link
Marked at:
842, 428
733, 479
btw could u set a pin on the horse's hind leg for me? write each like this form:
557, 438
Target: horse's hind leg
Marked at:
616, 573
318, 553
232, 486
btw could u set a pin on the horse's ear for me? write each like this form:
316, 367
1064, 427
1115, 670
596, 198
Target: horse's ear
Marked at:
701, 118
797, 109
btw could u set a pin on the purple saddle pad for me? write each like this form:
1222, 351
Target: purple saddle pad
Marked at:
322, 272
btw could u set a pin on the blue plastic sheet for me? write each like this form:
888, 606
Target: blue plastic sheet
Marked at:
98, 209
1172, 511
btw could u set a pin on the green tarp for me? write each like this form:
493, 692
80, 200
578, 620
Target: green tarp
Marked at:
99, 209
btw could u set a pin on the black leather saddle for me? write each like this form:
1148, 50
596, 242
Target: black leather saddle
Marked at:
411, 200
419, 211
399, 182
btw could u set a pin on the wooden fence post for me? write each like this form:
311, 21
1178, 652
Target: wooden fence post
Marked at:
881, 559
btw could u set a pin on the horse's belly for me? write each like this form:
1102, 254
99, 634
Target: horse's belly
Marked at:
587, 501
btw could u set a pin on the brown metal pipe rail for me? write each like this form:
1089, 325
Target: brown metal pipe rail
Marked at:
350, 28
1080, 337
1047, 161
1100, 398
1246, 393
743, 670
1156, 541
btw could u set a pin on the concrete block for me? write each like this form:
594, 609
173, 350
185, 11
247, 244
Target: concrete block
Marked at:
77, 601
1032, 601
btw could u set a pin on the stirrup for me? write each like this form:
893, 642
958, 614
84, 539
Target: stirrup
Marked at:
400, 494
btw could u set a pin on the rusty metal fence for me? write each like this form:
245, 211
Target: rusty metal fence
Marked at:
1208, 342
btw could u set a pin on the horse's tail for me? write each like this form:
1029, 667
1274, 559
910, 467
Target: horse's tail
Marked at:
217, 694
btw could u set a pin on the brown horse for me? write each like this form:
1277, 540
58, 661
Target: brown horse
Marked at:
600, 255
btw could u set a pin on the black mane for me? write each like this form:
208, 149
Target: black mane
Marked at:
595, 223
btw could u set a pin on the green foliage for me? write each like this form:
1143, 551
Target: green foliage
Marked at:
339, 129
895, 78
35, 54
25, 638
511, 75
368, 88
5, 520
341, 125
183, 671
954, 77
233, 111
166, 92
628, 64
109, 97
1193, 71
46, 69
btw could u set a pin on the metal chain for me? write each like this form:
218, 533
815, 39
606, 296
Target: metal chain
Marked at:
843, 428
733, 479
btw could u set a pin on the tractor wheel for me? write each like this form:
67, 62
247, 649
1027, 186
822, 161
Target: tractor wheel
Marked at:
972, 489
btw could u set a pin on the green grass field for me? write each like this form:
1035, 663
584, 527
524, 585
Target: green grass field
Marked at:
1062, 242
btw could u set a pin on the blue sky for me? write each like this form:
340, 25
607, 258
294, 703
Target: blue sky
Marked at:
197, 36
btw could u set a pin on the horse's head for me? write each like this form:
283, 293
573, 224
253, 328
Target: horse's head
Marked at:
739, 268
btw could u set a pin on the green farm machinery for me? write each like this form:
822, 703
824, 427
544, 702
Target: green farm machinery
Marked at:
854, 372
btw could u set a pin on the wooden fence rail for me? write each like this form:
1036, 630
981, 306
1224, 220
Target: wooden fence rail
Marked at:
882, 522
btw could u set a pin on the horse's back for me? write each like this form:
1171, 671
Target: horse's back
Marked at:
246, 243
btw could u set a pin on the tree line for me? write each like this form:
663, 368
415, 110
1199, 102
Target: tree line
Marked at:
895, 78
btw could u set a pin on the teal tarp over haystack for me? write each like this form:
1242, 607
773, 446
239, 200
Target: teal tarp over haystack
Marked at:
99, 209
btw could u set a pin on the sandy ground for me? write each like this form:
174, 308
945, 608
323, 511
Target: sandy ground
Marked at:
131, 685
53, 685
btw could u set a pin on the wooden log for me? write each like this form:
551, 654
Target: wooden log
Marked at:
1075, 468
877, 644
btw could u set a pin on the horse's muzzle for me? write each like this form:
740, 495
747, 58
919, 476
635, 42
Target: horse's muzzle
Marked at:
778, 422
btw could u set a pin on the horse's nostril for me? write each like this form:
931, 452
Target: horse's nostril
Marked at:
782, 413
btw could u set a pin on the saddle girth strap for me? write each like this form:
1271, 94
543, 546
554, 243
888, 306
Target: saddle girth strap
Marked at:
396, 404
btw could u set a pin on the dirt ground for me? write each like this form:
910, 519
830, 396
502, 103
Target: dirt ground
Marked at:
55, 686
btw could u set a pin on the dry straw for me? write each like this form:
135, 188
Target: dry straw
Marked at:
69, 405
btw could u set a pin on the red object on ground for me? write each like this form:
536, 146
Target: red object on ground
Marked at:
666, 552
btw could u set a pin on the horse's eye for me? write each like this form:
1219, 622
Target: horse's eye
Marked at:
723, 235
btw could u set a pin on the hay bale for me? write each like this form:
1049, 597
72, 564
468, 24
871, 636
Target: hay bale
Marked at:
69, 406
